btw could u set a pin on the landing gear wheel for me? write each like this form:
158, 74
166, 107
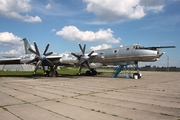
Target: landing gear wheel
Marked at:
46, 74
137, 75
91, 73
53, 74
94, 72
88, 73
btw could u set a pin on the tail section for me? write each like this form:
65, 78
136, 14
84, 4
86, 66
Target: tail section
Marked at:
26, 46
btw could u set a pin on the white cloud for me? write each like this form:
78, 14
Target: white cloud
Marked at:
13, 42
9, 39
118, 10
48, 6
74, 34
14, 9
153, 5
53, 30
99, 47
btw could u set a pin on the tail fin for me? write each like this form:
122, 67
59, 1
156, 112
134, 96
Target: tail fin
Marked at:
26, 46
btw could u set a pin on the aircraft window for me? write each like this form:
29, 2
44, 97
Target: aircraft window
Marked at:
115, 51
101, 53
138, 47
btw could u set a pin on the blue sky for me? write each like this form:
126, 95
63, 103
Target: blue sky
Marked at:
98, 23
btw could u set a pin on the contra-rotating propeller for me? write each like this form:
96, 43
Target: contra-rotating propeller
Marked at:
40, 58
83, 58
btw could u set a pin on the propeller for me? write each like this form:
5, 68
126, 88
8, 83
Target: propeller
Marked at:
40, 58
83, 58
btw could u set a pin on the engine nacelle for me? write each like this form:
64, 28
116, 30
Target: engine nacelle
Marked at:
95, 65
68, 60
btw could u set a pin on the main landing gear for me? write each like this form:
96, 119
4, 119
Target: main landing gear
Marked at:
91, 72
137, 75
51, 72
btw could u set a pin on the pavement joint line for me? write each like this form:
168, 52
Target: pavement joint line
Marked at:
48, 92
101, 100
127, 107
38, 90
99, 111
26, 92
152, 99
13, 96
53, 112
5, 109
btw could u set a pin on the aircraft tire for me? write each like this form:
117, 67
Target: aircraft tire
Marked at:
47, 74
94, 72
88, 73
52, 74
137, 75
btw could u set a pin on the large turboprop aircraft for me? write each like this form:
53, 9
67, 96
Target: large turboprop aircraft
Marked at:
34, 57
121, 56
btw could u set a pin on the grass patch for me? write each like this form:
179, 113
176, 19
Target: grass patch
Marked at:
115, 115
92, 109
5, 109
20, 73
167, 114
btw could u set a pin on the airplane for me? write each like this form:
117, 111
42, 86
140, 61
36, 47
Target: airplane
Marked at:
121, 56
34, 57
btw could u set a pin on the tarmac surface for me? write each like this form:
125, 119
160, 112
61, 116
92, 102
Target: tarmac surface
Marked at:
156, 96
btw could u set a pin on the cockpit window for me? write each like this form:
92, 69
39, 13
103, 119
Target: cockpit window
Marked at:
138, 46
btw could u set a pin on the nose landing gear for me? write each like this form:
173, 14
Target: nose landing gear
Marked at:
137, 75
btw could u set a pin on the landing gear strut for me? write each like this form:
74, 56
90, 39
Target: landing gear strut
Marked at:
137, 75
51, 73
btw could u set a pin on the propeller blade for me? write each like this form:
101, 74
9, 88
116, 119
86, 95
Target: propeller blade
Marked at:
84, 48
49, 62
46, 49
81, 61
36, 48
31, 50
31, 61
81, 48
37, 66
80, 69
75, 55
49, 53
90, 53
87, 63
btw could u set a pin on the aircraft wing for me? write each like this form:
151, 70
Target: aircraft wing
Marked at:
54, 58
94, 55
157, 47
10, 60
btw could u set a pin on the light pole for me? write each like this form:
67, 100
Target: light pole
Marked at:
167, 63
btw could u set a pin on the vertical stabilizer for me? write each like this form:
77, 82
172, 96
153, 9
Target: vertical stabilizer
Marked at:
26, 46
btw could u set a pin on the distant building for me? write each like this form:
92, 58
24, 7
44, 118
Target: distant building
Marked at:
17, 67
